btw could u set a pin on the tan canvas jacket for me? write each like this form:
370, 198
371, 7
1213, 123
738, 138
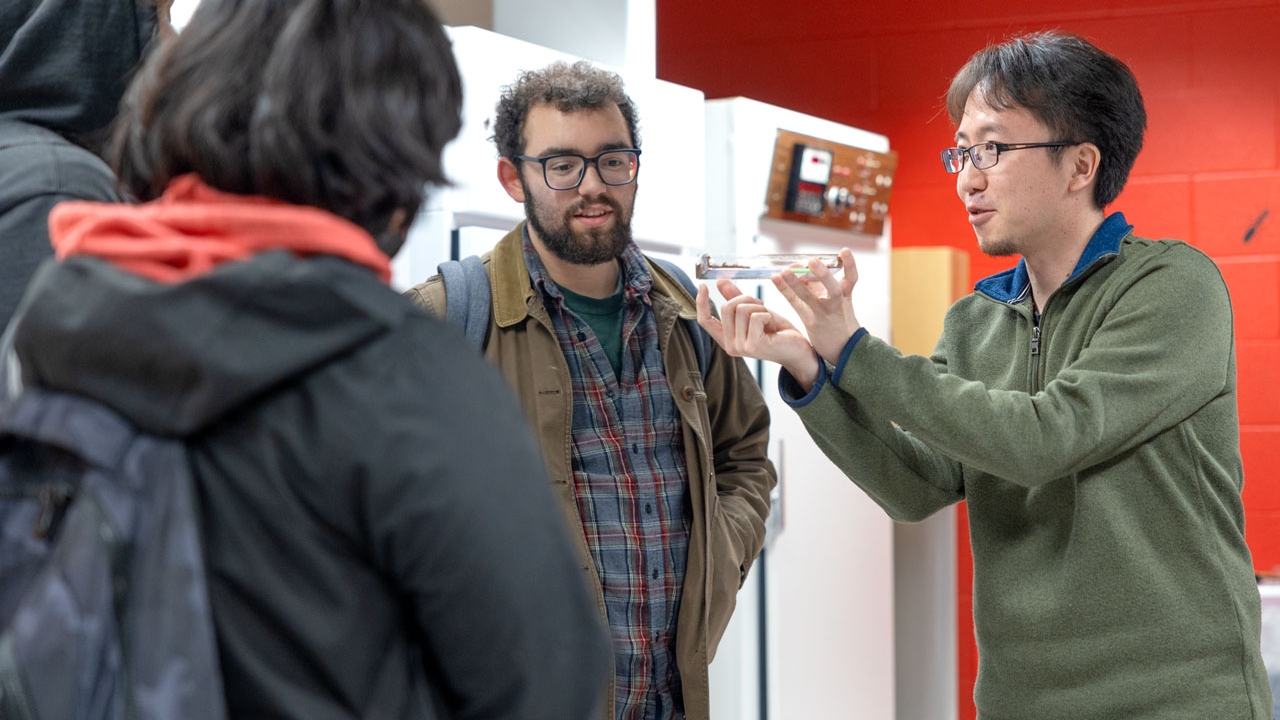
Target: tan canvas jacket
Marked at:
726, 431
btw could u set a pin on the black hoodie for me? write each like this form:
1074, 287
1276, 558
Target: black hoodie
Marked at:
64, 65
374, 510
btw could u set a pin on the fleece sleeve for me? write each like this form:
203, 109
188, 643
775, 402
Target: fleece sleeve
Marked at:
907, 478
1159, 349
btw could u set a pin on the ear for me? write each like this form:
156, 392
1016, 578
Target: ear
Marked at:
1084, 160
398, 223
509, 176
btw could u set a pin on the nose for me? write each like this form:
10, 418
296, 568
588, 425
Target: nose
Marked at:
591, 184
970, 180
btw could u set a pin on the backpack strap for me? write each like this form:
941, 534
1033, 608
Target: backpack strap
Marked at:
467, 296
701, 341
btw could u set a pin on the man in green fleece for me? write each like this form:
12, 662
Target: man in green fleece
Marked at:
1083, 404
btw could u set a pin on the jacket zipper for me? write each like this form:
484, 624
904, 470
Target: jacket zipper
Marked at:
1035, 353
54, 499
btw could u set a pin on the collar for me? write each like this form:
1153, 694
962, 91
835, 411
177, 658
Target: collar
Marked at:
1014, 285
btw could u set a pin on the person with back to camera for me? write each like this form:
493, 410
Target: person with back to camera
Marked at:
369, 554
1082, 404
63, 66
660, 469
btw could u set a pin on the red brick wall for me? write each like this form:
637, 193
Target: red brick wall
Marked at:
1210, 74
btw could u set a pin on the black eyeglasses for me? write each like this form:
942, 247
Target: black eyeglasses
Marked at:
986, 155
565, 171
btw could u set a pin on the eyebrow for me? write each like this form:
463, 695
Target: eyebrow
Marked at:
982, 130
575, 151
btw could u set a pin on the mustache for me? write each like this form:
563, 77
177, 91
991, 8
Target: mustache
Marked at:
601, 200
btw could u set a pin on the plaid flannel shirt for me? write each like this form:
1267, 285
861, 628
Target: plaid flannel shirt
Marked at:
631, 487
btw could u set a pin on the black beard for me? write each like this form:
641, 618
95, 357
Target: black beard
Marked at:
581, 248
1002, 249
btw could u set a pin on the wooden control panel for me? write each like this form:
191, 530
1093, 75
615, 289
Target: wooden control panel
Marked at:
825, 183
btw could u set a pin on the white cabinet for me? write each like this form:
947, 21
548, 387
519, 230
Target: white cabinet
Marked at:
829, 597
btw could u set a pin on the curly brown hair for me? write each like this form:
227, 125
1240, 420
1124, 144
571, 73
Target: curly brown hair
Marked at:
567, 87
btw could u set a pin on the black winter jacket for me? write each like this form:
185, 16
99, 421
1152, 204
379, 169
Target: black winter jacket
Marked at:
375, 514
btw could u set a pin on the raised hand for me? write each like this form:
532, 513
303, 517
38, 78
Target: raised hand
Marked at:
824, 303
746, 328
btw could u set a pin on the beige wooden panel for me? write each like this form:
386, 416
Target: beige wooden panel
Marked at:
924, 281
464, 12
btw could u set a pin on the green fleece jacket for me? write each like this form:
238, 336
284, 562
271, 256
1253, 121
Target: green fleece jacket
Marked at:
1097, 447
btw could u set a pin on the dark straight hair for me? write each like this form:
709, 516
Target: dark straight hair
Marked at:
344, 105
1078, 91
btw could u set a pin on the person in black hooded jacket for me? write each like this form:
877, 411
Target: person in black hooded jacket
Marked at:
377, 523
63, 66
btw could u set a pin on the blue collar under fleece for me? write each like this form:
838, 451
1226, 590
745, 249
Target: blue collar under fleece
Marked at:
1011, 285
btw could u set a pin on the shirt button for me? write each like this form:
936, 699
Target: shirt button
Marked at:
648, 508
655, 574
582, 337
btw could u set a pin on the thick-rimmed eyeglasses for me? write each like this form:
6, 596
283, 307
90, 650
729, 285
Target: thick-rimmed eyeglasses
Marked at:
565, 171
986, 155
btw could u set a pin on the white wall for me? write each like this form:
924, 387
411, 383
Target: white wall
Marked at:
618, 33
450, 12
180, 12
925, 618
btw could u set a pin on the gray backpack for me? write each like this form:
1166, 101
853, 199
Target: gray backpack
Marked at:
468, 301
104, 609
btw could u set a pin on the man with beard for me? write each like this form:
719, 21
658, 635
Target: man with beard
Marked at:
661, 472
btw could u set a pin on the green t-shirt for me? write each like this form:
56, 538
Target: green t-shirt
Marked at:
604, 315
